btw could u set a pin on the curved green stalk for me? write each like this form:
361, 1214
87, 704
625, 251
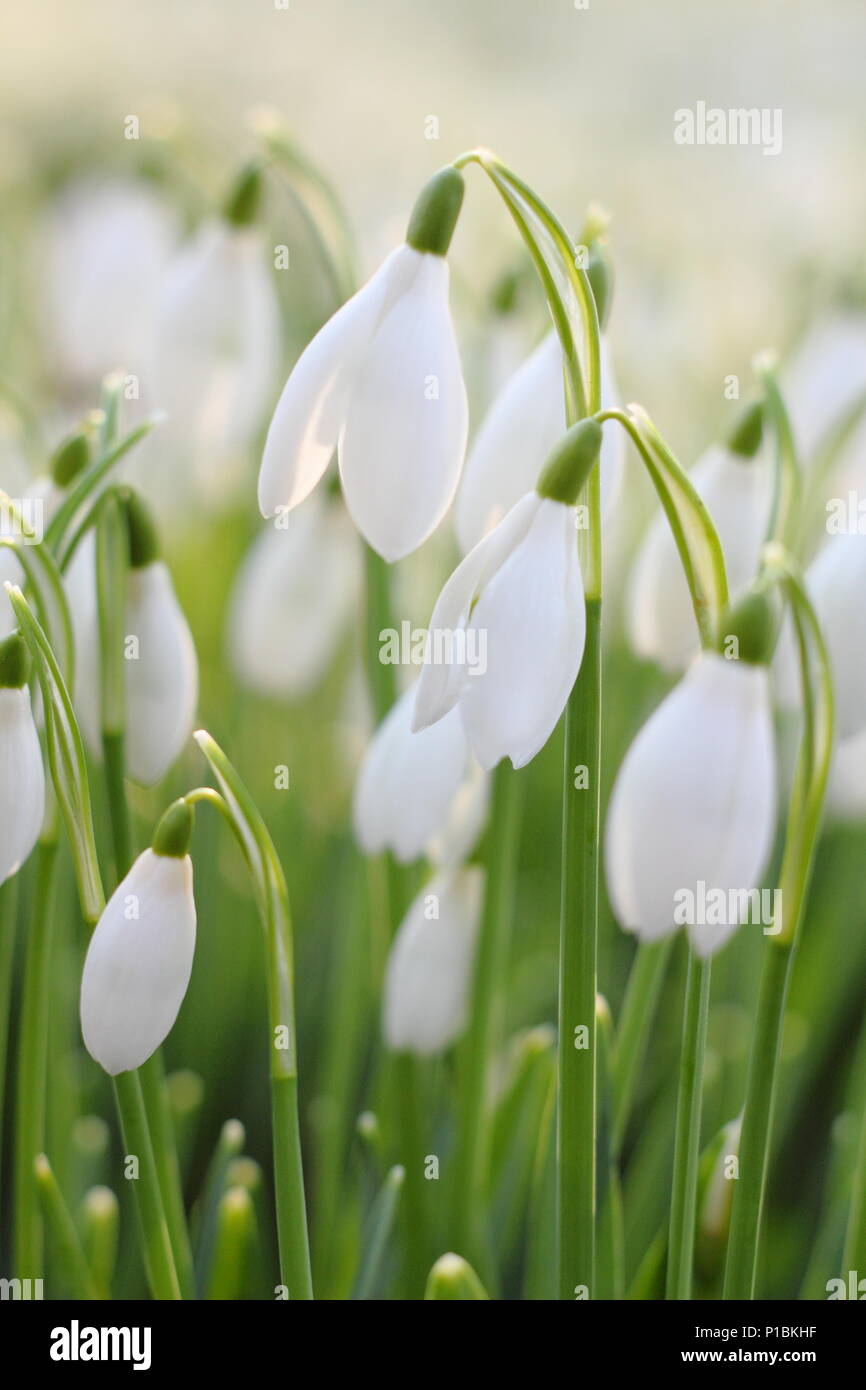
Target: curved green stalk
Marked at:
491, 956
272, 900
687, 1144
802, 831
639, 1006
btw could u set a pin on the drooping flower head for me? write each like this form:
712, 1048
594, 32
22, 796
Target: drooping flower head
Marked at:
693, 808
160, 664
412, 789
140, 956
519, 595
429, 969
382, 384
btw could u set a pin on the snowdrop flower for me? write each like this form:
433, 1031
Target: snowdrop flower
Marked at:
518, 598
521, 428
381, 383
161, 669
139, 959
429, 970
293, 599
22, 777
736, 487
836, 581
108, 243
408, 784
218, 340
825, 377
694, 802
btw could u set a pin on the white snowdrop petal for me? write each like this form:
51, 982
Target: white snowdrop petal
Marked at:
401, 449
408, 781
162, 681
429, 971
660, 618
523, 424
138, 963
533, 617
312, 408
467, 817
836, 581
22, 781
694, 800
293, 598
521, 427
846, 789
441, 682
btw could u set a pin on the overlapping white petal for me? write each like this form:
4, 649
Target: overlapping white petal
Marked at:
293, 599
22, 781
408, 782
660, 618
107, 245
694, 801
382, 383
520, 594
139, 962
161, 677
429, 972
521, 428
217, 349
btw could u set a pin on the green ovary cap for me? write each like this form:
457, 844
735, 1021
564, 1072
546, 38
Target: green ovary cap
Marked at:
745, 437
599, 272
14, 662
174, 832
435, 213
143, 538
70, 458
570, 463
242, 205
753, 620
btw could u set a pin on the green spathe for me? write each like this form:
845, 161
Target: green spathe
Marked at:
70, 458
599, 272
244, 201
435, 213
174, 832
745, 437
570, 463
753, 623
14, 662
143, 538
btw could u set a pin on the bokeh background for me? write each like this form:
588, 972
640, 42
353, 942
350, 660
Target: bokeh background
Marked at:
719, 252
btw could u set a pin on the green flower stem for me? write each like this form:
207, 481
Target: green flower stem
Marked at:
8, 923
638, 1010
491, 960
112, 555
743, 1243
272, 901
156, 1102
414, 1144
687, 1144
33, 1065
854, 1252
381, 676
804, 815
158, 1256
576, 1118
69, 1248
